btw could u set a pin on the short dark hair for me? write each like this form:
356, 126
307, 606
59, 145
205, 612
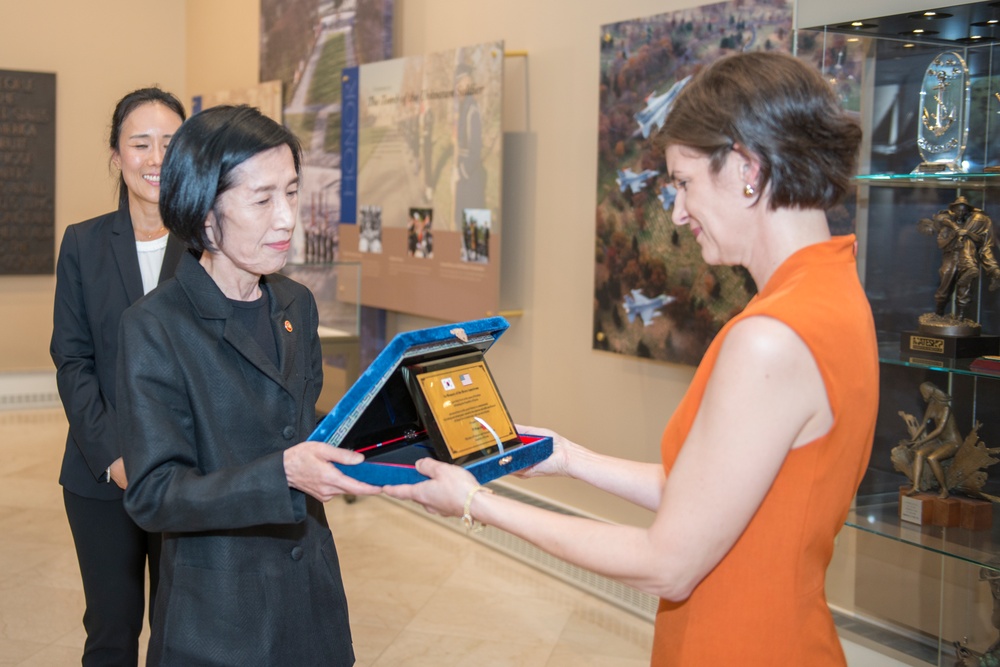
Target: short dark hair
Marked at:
781, 110
200, 161
127, 105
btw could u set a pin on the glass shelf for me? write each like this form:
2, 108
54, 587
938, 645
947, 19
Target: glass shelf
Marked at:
879, 515
977, 180
889, 353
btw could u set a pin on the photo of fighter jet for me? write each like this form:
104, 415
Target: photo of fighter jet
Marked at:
657, 108
632, 180
668, 194
641, 250
639, 304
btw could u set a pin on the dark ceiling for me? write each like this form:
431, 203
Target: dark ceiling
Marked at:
964, 25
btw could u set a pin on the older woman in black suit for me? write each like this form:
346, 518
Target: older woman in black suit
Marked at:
106, 264
219, 372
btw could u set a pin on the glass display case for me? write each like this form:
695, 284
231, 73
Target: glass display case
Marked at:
336, 287
925, 88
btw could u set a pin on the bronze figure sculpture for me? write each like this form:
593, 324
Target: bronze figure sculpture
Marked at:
965, 236
956, 463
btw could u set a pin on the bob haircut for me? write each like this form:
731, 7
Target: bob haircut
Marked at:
199, 165
778, 109
127, 105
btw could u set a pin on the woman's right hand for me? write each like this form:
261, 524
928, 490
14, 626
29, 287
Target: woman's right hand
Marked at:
117, 473
558, 463
308, 468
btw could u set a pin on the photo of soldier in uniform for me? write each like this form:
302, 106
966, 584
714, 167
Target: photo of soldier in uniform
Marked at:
370, 230
476, 224
419, 235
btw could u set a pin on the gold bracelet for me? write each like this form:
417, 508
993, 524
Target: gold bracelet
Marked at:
471, 525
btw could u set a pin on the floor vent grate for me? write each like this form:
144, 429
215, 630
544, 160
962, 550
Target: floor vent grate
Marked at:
29, 401
625, 597
28, 391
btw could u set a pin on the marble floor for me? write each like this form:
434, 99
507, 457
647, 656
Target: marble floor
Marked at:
420, 594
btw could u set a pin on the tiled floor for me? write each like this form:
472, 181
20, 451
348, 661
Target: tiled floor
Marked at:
419, 593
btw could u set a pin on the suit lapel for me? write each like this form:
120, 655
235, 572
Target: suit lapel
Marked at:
240, 339
286, 330
171, 256
210, 303
123, 247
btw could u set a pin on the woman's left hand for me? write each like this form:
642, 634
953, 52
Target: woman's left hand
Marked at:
308, 468
443, 494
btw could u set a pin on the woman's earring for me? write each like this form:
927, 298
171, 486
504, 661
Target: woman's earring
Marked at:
748, 190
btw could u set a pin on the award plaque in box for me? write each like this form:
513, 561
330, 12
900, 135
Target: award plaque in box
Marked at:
430, 393
459, 404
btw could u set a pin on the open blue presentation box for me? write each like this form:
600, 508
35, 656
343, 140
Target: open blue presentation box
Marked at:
430, 393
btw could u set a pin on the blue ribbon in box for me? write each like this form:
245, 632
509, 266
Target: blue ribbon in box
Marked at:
430, 393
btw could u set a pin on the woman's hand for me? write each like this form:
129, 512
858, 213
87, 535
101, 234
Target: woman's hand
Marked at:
443, 494
309, 468
558, 463
117, 473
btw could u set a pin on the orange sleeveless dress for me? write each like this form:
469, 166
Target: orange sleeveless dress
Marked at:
764, 604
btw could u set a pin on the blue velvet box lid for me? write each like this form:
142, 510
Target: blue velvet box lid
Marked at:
378, 409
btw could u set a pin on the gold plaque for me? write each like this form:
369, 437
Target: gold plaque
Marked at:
926, 344
465, 409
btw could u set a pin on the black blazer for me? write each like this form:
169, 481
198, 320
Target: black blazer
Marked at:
249, 574
97, 278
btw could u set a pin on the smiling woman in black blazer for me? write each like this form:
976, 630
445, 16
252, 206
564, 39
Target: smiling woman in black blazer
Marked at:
106, 264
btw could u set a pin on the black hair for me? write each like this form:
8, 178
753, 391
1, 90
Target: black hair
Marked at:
199, 165
127, 105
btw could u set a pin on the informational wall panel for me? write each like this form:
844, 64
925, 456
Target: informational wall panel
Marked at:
422, 158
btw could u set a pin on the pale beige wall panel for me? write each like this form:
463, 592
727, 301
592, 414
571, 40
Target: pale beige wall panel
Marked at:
99, 50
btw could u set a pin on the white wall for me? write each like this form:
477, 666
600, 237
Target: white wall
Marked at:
99, 50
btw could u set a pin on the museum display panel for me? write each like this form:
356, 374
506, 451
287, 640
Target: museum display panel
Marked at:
924, 528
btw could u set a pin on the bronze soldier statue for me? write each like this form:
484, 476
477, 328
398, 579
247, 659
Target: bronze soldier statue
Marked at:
965, 237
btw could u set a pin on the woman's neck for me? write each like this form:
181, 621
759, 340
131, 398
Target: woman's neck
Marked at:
235, 283
146, 219
784, 233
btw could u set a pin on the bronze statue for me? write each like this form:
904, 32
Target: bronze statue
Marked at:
965, 236
956, 464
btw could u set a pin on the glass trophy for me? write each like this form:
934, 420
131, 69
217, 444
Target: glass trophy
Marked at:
944, 115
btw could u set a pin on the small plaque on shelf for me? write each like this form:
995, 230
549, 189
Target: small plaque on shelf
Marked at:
915, 509
949, 347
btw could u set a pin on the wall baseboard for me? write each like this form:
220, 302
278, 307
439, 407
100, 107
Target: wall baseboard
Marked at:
29, 390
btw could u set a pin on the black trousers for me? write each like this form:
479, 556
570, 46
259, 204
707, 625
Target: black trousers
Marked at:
112, 552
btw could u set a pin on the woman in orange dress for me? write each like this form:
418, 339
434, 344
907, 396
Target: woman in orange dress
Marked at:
765, 452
